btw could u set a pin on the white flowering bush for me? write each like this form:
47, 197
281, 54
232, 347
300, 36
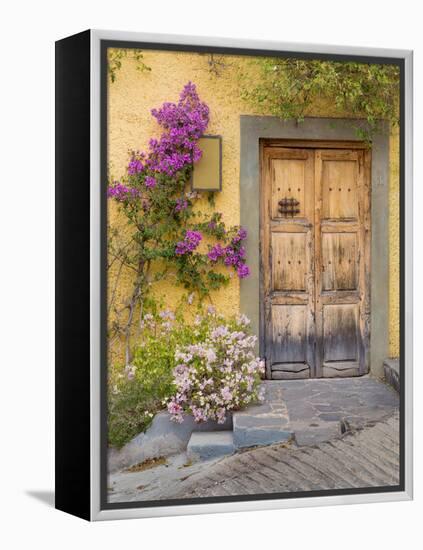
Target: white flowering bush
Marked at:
219, 373
203, 366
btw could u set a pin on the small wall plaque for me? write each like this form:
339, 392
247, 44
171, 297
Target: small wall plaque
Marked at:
207, 174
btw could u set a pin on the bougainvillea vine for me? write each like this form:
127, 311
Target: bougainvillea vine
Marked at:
169, 237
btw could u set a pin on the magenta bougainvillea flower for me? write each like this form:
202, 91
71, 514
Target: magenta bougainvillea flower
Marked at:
121, 192
136, 165
232, 255
189, 244
150, 182
184, 122
216, 252
157, 178
240, 236
181, 204
243, 271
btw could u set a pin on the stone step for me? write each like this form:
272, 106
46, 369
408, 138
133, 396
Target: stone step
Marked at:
163, 438
209, 445
261, 425
392, 373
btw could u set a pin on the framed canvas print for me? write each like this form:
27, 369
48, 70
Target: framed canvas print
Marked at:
234, 292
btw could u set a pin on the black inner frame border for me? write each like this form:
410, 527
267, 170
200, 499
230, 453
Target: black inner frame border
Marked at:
104, 46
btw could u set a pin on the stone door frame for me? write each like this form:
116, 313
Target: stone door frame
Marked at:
255, 128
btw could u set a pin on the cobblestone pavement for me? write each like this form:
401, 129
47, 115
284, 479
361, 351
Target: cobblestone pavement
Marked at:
318, 409
368, 457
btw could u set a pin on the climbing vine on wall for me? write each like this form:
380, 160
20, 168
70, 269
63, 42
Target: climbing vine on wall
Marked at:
287, 88
163, 233
116, 55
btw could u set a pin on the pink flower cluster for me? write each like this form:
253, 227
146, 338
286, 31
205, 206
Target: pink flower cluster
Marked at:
189, 244
233, 254
217, 375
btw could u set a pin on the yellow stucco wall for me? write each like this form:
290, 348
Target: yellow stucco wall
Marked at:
131, 125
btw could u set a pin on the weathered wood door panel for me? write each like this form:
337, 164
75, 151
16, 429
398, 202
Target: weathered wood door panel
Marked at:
342, 244
288, 271
315, 257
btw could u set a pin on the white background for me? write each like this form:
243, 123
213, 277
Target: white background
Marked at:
28, 32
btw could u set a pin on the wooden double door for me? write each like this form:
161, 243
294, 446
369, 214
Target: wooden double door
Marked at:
315, 259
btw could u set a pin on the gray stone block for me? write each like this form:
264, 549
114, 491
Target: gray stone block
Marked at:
246, 421
163, 438
209, 445
392, 373
252, 437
